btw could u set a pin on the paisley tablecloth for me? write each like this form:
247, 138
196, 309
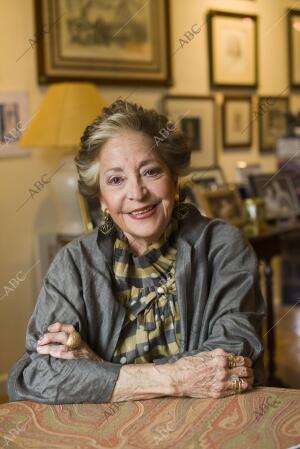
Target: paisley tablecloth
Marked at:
264, 418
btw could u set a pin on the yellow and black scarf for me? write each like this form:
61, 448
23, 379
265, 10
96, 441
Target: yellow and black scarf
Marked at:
146, 287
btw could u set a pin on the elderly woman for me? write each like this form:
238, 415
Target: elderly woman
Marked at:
158, 300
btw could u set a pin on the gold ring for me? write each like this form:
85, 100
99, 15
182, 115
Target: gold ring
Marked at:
74, 340
231, 361
237, 383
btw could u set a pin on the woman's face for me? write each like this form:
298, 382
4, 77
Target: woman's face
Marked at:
136, 187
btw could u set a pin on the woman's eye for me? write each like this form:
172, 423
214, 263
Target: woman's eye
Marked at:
153, 171
115, 180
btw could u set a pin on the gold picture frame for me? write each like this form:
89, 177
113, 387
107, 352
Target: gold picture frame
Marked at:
115, 43
224, 203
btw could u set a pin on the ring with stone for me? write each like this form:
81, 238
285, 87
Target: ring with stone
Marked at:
73, 341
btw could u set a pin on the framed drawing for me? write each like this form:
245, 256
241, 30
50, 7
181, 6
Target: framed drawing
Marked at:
103, 42
13, 121
272, 121
224, 203
195, 116
232, 47
237, 129
294, 47
278, 193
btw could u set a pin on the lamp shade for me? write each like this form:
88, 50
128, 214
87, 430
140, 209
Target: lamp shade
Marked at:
63, 115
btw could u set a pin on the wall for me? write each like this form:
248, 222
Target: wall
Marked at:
190, 72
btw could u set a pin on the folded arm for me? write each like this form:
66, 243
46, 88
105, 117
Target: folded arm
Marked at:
46, 378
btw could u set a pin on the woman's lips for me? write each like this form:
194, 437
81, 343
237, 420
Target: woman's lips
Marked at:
140, 215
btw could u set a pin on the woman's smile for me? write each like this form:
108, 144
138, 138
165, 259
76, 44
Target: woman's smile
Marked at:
136, 187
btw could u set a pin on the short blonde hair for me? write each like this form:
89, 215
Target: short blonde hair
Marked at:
121, 115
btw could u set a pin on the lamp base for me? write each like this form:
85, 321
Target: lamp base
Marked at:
64, 195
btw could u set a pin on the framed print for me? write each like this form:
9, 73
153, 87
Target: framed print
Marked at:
13, 121
278, 193
237, 129
294, 47
224, 203
232, 47
244, 170
91, 212
195, 117
103, 42
207, 177
272, 118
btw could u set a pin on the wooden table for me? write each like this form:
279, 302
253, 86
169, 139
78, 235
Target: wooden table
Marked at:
267, 246
264, 418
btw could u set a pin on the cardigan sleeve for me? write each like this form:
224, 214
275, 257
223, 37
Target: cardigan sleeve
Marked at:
44, 378
234, 307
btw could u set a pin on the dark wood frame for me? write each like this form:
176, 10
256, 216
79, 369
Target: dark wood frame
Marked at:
194, 97
227, 99
44, 78
214, 85
260, 114
291, 14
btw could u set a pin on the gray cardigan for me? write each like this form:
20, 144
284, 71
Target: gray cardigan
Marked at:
220, 303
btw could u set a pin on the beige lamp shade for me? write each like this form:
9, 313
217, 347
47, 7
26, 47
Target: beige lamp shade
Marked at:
63, 115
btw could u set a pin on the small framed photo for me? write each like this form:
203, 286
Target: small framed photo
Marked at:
237, 129
208, 177
279, 194
272, 116
244, 170
118, 42
294, 47
13, 122
224, 203
91, 212
195, 117
232, 45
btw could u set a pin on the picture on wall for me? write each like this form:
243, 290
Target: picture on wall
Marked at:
13, 121
195, 117
224, 203
294, 47
278, 193
232, 45
237, 122
272, 121
101, 41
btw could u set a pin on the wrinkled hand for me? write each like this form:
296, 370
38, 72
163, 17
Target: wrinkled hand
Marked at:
206, 374
59, 333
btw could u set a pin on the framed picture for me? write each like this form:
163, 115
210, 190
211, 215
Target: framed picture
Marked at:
278, 193
13, 121
244, 170
272, 118
224, 203
91, 212
237, 129
195, 117
294, 47
103, 42
232, 46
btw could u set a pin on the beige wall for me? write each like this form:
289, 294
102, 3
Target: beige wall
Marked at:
190, 72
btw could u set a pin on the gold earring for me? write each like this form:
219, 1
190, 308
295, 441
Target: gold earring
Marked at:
108, 225
180, 209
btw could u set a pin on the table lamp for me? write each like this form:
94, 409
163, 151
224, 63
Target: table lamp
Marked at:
63, 115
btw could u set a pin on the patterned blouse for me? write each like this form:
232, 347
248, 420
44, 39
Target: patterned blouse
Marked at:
146, 287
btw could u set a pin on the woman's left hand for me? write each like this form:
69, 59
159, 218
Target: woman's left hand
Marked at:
59, 333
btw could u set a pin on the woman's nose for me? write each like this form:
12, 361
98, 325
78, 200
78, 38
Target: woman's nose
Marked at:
136, 190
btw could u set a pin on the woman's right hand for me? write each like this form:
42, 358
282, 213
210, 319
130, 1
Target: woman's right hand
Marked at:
207, 375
